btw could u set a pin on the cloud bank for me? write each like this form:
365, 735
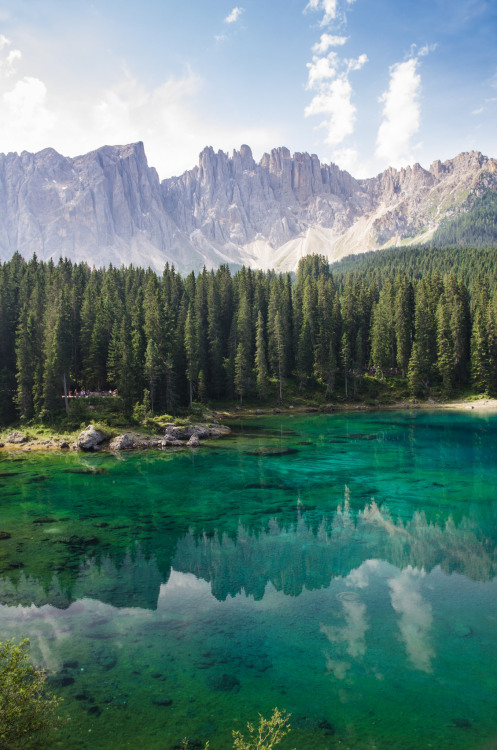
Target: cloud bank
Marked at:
166, 118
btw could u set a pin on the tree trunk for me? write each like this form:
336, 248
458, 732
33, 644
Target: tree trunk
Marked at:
65, 395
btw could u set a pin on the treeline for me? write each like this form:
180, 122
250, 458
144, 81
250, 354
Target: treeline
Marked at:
470, 264
476, 224
214, 336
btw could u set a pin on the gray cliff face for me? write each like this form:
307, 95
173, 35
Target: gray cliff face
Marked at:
103, 207
108, 206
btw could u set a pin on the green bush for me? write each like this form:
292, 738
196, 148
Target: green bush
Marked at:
27, 712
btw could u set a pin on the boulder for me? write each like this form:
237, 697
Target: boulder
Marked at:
122, 442
170, 441
173, 432
90, 438
194, 442
16, 437
201, 431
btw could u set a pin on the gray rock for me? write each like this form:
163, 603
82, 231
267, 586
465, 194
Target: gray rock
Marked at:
122, 442
201, 431
17, 437
90, 438
171, 442
194, 442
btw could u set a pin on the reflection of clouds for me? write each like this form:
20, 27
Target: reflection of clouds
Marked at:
359, 578
415, 617
353, 633
337, 668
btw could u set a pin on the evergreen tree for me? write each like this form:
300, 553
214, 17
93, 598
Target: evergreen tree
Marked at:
191, 351
261, 369
445, 347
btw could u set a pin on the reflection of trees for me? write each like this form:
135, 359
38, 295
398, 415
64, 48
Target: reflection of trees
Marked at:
134, 582
307, 553
311, 557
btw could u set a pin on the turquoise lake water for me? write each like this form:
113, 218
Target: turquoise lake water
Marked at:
341, 567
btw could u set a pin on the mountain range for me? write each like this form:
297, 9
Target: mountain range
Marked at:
109, 206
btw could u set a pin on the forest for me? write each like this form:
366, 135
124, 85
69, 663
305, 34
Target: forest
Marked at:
165, 342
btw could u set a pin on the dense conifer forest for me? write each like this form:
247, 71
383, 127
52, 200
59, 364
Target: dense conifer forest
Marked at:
426, 318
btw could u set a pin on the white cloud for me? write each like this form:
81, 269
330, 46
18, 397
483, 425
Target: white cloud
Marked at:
334, 100
356, 63
348, 159
328, 76
426, 50
234, 15
329, 8
328, 40
7, 64
401, 114
320, 69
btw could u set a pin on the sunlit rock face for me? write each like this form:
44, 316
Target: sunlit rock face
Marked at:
109, 206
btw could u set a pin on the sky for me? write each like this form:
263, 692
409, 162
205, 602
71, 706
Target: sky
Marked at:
365, 84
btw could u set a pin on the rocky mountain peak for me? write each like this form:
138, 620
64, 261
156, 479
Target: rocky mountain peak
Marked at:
109, 206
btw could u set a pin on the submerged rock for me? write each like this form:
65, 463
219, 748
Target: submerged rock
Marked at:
162, 700
271, 452
60, 680
225, 683
461, 723
5, 535
90, 438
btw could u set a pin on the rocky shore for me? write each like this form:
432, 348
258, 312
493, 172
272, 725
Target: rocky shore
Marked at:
93, 439
191, 435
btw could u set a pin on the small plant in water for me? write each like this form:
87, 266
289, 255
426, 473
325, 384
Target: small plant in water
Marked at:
27, 712
268, 734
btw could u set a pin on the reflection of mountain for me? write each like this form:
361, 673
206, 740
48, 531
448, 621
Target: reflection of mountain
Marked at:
308, 554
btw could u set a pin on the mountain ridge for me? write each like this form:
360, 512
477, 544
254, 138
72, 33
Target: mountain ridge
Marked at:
109, 206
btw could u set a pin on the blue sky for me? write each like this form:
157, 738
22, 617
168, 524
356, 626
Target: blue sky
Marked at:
363, 83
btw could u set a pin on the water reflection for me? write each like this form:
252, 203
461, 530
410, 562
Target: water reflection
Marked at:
416, 617
305, 555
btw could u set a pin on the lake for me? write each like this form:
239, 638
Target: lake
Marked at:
341, 567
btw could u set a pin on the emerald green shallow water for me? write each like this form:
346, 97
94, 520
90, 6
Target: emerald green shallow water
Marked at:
340, 567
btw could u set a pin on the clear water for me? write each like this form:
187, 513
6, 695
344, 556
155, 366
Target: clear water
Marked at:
340, 567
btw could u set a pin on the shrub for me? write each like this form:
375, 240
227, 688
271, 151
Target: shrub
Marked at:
268, 734
27, 711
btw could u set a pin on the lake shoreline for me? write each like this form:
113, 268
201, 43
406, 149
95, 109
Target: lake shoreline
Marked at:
60, 441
